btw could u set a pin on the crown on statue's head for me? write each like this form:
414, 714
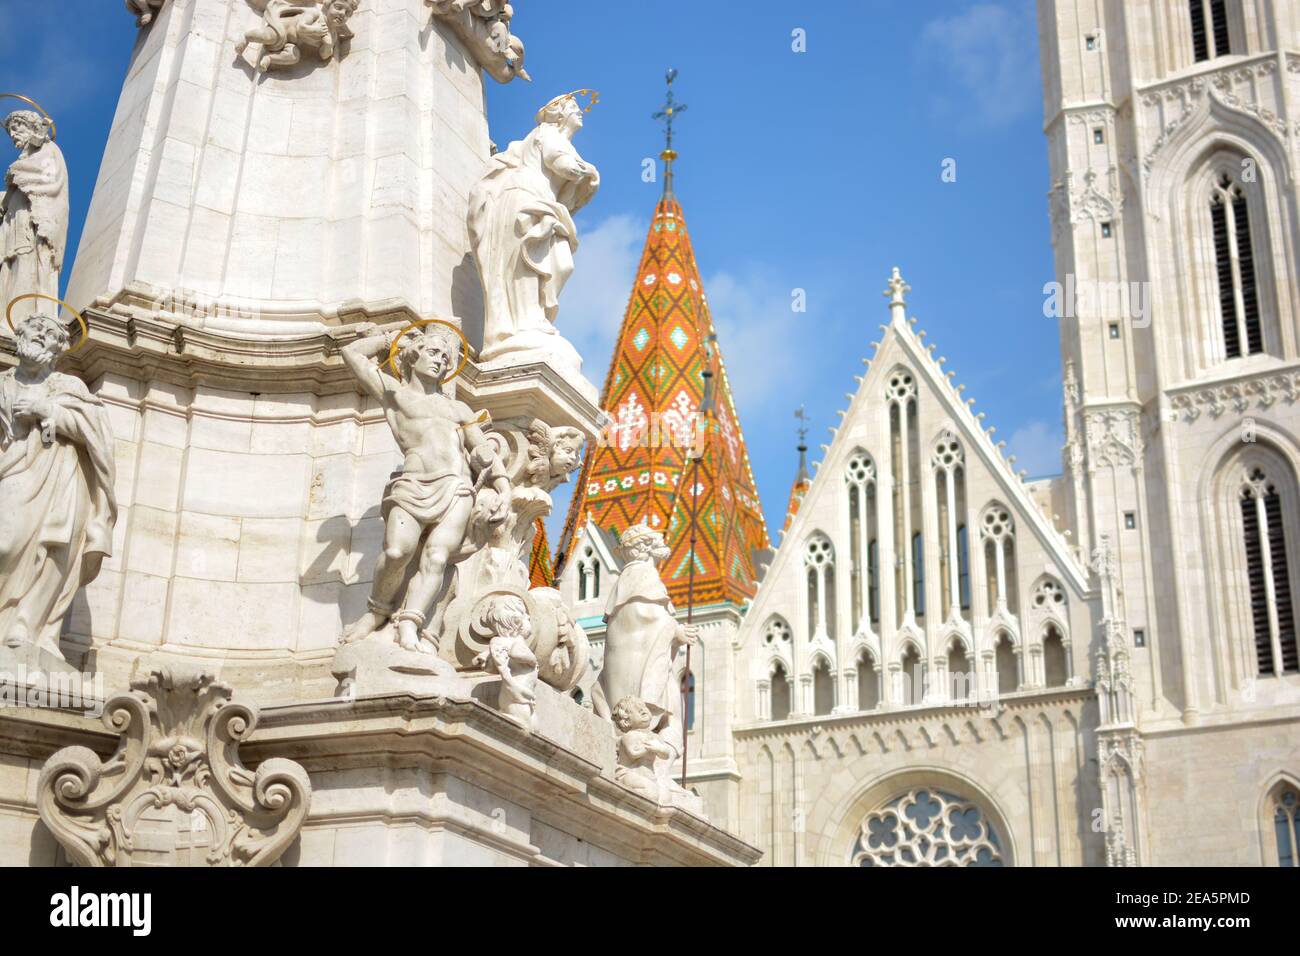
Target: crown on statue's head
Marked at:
593, 97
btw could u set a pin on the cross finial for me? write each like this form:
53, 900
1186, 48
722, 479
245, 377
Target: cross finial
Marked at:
897, 295
667, 115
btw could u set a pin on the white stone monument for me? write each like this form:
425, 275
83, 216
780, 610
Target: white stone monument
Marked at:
284, 319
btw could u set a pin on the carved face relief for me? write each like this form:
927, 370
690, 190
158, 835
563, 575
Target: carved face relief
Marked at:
40, 341
566, 455
24, 133
631, 713
338, 12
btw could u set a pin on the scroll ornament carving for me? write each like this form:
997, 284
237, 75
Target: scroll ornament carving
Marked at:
484, 27
175, 792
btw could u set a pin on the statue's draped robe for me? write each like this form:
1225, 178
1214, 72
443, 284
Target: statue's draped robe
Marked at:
640, 635
34, 228
57, 506
523, 236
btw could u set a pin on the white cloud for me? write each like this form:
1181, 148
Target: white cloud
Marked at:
593, 302
986, 58
1037, 447
753, 317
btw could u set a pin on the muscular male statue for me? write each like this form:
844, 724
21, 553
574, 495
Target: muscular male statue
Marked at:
428, 505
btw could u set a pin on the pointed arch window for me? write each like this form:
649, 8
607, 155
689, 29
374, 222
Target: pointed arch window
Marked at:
998, 529
868, 683
948, 461
1269, 574
1285, 805
819, 564
1234, 258
1210, 35
860, 477
780, 693
588, 575
823, 688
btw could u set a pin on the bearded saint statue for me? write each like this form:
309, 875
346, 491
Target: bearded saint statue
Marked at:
33, 213
522, 232
57, 504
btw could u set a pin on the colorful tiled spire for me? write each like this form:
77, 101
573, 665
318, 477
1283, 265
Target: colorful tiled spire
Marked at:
653, 394
540, 572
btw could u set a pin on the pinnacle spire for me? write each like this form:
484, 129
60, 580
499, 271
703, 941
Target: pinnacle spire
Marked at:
897, 295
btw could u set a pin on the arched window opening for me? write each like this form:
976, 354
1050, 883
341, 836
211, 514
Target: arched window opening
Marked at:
1269, 573
1210, 35
961, 678
819, 563
948, 462
688, 699
927, 827
588, 575
1235, 267
860, 477
1008, 668
998, 531
912, 675
1055, 671
868, 684
904, 453
823, 689
1286, 825
780, 694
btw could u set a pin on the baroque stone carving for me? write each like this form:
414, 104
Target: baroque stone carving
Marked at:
57, 501
643, 636
503, 620
291, 27
484, 27
175, 792
523, 236
646, 753
449, 494
33, 213
144, 10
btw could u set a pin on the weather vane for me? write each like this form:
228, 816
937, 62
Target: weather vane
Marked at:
802, 415
667, 115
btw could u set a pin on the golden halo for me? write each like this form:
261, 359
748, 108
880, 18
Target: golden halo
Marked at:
85, 329
464, 352
54, 129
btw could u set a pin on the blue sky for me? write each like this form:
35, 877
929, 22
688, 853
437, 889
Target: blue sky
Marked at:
816, 170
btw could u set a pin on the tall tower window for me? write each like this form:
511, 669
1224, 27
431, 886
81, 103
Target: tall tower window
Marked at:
1269, 574
1286, 825
1209, 29
1235, 265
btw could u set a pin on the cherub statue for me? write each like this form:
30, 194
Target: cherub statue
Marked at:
57, 504
645, 757
33, 213
144, 10
288, 28
522, 231
449, 464
506, 617
553, 454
